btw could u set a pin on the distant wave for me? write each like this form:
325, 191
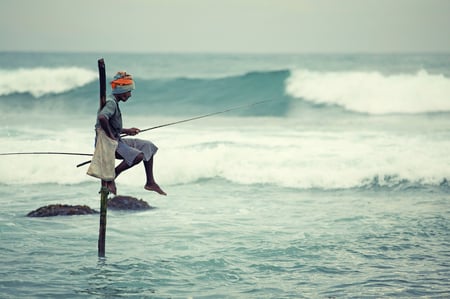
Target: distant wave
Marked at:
191, 96
373, 92
42, 81
355, 91
75, 88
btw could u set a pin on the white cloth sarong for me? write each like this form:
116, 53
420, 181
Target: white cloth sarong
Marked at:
103, 162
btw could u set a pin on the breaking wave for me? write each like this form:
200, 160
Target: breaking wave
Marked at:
292, 159
41, 81
373, 92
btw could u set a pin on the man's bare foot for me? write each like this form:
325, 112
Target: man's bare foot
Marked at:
111, 185
154, 187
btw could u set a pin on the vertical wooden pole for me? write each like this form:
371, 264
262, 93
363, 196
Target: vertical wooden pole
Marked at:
104, 190
102, 231
102, 81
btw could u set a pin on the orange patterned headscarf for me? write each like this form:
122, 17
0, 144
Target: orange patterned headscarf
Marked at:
122, 83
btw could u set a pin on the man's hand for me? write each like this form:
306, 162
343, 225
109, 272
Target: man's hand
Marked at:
131, 131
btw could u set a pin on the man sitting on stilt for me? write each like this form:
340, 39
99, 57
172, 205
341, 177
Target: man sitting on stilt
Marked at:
131, 150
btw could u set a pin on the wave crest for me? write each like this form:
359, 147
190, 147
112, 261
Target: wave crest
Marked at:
41, 81
373, 92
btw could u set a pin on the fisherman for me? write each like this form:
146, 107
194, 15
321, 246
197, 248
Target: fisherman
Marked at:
131, 151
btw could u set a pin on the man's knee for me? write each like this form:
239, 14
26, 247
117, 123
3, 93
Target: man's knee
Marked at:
139, 158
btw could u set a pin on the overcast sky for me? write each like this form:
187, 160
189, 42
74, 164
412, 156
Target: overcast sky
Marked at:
243, 26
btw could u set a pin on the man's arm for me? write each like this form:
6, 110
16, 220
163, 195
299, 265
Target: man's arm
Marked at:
104, 123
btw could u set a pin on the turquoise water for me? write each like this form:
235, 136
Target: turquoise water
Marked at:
214, 239
336, 188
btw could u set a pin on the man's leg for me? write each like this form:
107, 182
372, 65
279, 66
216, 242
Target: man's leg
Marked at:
111, 185
151, 185
124, 165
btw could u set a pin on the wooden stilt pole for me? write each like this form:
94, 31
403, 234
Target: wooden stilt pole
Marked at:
102, 231
104, 191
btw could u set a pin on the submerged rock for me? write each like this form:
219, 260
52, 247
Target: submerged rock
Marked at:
61, 210
121, 202
124, 203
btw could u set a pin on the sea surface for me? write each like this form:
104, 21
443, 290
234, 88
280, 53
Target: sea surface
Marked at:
334, 185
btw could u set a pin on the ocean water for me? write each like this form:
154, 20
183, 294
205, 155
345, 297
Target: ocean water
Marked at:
335, 187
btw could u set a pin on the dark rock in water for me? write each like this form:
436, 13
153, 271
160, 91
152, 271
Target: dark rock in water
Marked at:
61, 210
126, 203
121, 202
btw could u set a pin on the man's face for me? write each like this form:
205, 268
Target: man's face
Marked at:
125, 96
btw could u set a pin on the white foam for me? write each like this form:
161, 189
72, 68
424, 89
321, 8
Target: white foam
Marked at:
41, 81
295, 159
279, 154
373, 92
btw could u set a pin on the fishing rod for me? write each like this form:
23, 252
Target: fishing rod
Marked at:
194, 118
45, 153
203, 116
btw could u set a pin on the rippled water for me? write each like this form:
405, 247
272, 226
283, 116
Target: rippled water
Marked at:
336, 192
214, 239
